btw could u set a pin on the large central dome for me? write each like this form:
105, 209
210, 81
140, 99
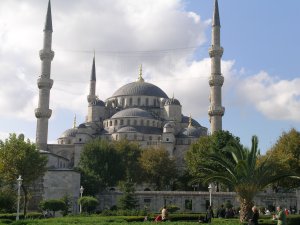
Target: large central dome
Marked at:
140, 88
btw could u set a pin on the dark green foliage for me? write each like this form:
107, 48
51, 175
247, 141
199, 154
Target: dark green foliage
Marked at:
103, 164
88, 203
7, 200
67, 199
52, 205
127, 201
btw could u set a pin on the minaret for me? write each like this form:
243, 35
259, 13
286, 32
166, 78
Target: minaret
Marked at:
216, 80
44, 83
92, 94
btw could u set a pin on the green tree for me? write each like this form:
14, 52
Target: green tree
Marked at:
67, 199
130, 153
20, 157
199, 152
286, 155
88, 203
160, 169
101, 166
7, 200
243, 173
127, 200
53, 205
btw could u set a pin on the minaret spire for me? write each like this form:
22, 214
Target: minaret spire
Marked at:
216, 80
48, 23
216, 17
92, 94
141, 79
43, 113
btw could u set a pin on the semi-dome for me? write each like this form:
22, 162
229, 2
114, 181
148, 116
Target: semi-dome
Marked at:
127, 130
132, 112
140, 88
172, 101
69, 133
191, 132
185, 119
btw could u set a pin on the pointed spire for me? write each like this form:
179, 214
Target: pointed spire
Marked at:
74, 122
141, 79
93, 74
216, 17
190, 121
48, 24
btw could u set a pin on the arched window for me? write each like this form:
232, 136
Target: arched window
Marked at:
123, 102
110, 123
148, 123
139, 101
153, 123
121, 122
130, 101
147, 102
128, 122
142, 122
116, 122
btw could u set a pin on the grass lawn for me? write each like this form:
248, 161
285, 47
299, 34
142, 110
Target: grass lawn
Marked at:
101, 220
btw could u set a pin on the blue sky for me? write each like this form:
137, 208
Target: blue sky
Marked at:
260, 63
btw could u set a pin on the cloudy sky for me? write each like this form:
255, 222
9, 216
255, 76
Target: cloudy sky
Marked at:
170, 38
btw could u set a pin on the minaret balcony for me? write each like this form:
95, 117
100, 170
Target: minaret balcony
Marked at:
43, 113
216, 80
44, 83
216, 111
46, 54
215, 51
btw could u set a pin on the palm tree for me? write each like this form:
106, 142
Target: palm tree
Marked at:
243, 173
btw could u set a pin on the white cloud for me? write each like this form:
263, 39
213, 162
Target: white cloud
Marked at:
274, 98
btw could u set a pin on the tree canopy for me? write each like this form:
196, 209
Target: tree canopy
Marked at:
160, 169
285, 155
20, 157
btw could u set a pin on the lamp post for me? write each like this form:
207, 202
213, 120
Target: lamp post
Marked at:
210, 190
81, 192
19, 180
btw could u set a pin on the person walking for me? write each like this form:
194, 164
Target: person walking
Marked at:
280, 216
209, 214
164, 213
255, 216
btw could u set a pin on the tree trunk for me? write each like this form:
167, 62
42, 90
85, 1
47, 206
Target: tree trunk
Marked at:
25, 199
246, 210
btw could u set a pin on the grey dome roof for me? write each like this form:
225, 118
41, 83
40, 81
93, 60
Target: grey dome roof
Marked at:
185, 119
132, 112
168, 125
172, 101
69, 133
140, 88
191, 132
127, 130
98, 102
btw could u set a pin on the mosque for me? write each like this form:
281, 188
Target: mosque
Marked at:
138, 111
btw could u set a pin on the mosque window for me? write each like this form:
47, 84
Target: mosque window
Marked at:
106, 123
167, 139
79, 139
123, 102
150, 138
128, 122
110, 123
142, 122
121, 122
130, 101
147, 102
153, 123
116, 122
139, 101
154, 101
148, 123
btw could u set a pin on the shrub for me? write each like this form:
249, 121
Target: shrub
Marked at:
52, 205
7, 201
88, 203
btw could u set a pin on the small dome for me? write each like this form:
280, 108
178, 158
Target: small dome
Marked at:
98, 102
132, 112
82, 125
185, 119
172, 101
191, 132
140, 88
127, 130
168, 125
69, 133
